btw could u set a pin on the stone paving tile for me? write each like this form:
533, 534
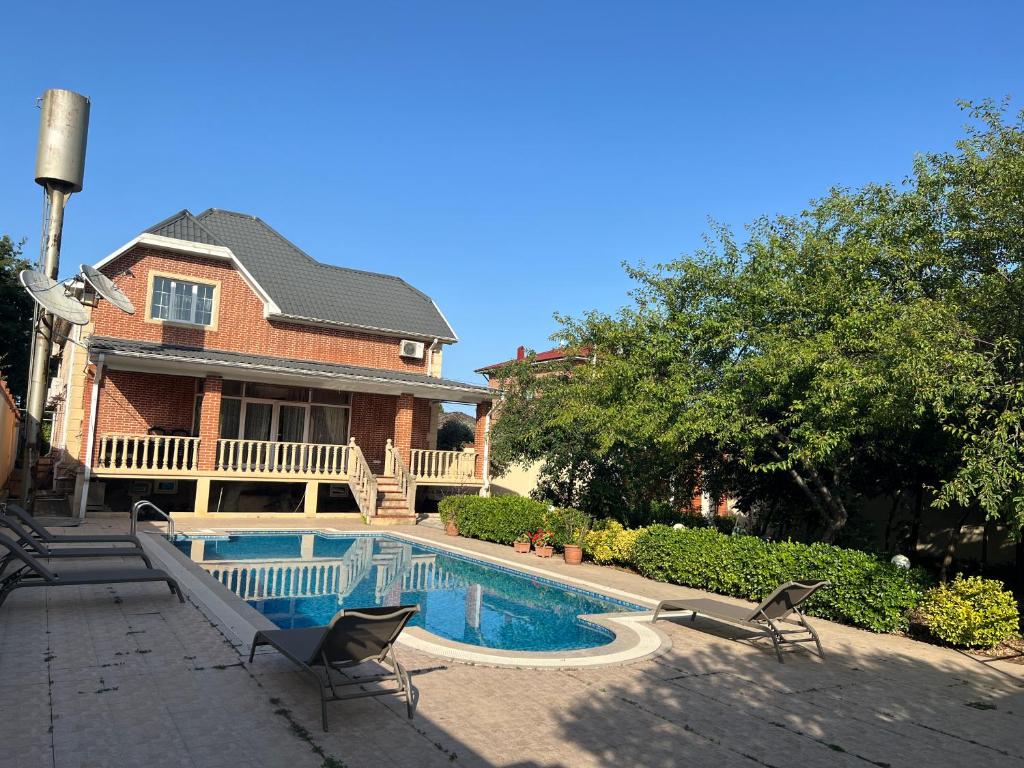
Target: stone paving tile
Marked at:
138, 679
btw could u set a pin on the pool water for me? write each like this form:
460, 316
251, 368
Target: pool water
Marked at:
304, 579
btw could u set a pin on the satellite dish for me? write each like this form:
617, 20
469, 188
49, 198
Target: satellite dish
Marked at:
52, 296
105, 287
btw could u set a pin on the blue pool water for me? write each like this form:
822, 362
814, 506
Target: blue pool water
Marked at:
303, 579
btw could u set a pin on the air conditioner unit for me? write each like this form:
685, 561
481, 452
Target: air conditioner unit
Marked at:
412, 349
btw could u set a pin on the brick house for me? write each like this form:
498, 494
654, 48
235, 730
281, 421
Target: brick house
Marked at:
254, 379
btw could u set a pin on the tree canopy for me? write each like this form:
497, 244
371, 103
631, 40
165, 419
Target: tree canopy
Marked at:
15, 317
868, 347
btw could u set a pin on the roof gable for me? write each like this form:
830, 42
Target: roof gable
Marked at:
302, 289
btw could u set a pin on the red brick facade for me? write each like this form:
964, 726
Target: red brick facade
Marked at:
133, 402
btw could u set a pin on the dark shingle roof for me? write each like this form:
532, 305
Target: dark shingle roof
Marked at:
183, 226
177, 352
306, 289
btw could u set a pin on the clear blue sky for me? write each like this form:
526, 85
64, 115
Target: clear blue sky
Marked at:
505, 158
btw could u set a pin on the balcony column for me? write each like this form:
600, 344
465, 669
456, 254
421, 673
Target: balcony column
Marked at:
482, 443
403, 426
209, 423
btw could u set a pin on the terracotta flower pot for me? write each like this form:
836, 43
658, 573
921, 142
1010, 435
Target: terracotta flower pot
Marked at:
544, 551
451, 528
573, 554
522, 547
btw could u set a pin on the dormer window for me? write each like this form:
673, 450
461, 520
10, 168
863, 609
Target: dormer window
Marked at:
182, 301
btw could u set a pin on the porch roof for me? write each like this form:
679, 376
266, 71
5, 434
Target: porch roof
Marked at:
191, 361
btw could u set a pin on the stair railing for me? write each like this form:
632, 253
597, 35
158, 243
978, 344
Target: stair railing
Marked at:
362, 481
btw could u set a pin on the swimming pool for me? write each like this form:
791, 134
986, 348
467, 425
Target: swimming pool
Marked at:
302, 579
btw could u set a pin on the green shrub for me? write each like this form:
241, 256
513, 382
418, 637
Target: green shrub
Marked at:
865, 591
609, 542
500, 518
972, 612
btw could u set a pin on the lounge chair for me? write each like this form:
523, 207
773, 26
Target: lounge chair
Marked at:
55, 538
353, 637
33, 573
774, 610
39, 549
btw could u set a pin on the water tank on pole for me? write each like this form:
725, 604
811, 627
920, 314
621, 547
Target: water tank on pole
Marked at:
63, 130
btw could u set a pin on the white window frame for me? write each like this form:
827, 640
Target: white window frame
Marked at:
275, 413
177, 282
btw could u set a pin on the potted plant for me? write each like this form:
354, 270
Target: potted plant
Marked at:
576, 525
450, 526
522, 543
542, 541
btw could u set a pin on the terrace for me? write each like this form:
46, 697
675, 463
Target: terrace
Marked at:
127, 676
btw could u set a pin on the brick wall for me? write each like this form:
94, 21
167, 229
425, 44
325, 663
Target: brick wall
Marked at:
132, 402
421, 415
241, 326
373, 422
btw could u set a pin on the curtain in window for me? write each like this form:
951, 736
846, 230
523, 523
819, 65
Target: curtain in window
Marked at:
328, 425
181, 301
230, 415
257, 421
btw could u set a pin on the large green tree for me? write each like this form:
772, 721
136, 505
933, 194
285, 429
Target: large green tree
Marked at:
870, 346
15, 317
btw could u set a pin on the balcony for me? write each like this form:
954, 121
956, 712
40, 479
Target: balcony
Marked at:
159, 456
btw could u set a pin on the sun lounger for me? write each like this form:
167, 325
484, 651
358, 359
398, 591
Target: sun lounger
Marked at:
32, 573
353, 637
780, 607
54, 538
36, 547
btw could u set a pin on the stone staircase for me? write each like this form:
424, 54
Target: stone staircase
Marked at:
392, 505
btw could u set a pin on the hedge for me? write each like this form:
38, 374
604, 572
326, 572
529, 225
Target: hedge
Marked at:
866, 591
499, 518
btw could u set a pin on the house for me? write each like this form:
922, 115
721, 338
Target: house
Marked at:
253, 379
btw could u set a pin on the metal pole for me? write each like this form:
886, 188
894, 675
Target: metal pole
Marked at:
40, 364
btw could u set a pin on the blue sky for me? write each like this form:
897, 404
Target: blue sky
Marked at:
503, 158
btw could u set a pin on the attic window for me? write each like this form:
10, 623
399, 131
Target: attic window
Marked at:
181, 301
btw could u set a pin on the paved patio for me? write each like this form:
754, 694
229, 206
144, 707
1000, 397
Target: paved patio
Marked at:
126, 676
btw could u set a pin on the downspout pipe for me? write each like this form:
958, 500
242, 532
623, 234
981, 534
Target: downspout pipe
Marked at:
91, 442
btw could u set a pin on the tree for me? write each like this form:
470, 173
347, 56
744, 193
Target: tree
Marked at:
454, 435
15, 317
870, 346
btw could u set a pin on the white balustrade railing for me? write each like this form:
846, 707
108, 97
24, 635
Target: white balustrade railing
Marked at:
267, 458
362, 481
433, 466
161, 454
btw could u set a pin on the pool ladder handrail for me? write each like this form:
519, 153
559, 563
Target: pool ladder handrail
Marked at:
146, 503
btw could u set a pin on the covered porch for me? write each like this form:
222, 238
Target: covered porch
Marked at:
204, 416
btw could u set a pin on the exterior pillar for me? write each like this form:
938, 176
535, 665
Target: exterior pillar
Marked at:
309, 500
482, 441
209, 423
202, 505
403, 426
306, 546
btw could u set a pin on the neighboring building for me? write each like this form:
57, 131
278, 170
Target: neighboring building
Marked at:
520, 480
254, 379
